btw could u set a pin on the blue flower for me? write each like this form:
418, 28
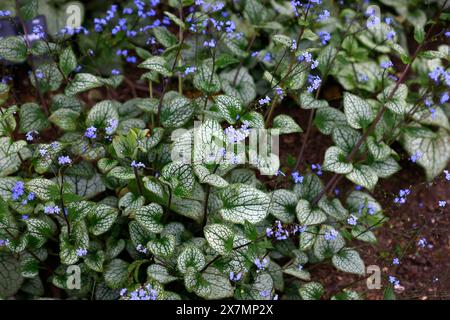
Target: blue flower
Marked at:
352, 220
297, 177
330, 235
264, 101
235, 277
81, 252
90, 132
395, 261
189, 70
137, 165
317, 168
394, 281
386, 64
324, 15
18, 190
112, 126
261, 265
315, 82
416, 156
422, 242
324, 37
442, 203
62, 160
140, 248
390, 35
447, 175
51, 210
444, 98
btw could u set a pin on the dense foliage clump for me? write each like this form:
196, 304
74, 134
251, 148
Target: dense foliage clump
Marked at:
165, 196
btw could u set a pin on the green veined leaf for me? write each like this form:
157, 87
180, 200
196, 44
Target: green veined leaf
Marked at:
206, 80
83, 82
358, 112
67, 61
180, 177
311, 291
157, 64
326, 248
32, 118
101, 219
328, 118
243, 88
66, 119
10, 278
349, 261
229, 107
243, 203
44, 189
116, 273
150, 217
285, 124
363, 175
282, 205
191, 257
163, 246
100, 113
335, 161
307, 215
220, 237
13, 49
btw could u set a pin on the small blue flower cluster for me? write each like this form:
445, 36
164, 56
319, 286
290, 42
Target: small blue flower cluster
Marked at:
81, 252
18, 193
145, 292
137, 165
236, 135
261, 264
235, 277
297, 177
90, 132
282, 232
403, 193
368, 209
331, 235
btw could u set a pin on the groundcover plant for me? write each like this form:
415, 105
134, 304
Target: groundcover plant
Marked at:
142, 156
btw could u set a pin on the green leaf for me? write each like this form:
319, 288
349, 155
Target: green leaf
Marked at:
10, 278
94, 260
335, 161
397, 103
435, 150
116, 273
285, 124
283, 40
67, 61
101, 219
206, 80
204, 176
191, 257
159, 273
282, 205
325, 58
131, 202
150, 217
306, 215
157, 64
358, 112
13, 49
333, 208
86, 187
364, 176
228, 107
83, 82
100, 113
311, 291
164, 37
44, 189
346, 138
243, 203
385, 168
220, 237
243, 88
324, 248
9, 158
349, 261
176, 112
307, 101
180, 177
66, 119
51, 78
32, 118
124, 173
163, 246
328, 118
310, 188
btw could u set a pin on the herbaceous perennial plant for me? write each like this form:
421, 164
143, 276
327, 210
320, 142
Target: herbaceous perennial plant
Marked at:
140, 203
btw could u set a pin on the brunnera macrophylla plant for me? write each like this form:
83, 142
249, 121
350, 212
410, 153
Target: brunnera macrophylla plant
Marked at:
152, 198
